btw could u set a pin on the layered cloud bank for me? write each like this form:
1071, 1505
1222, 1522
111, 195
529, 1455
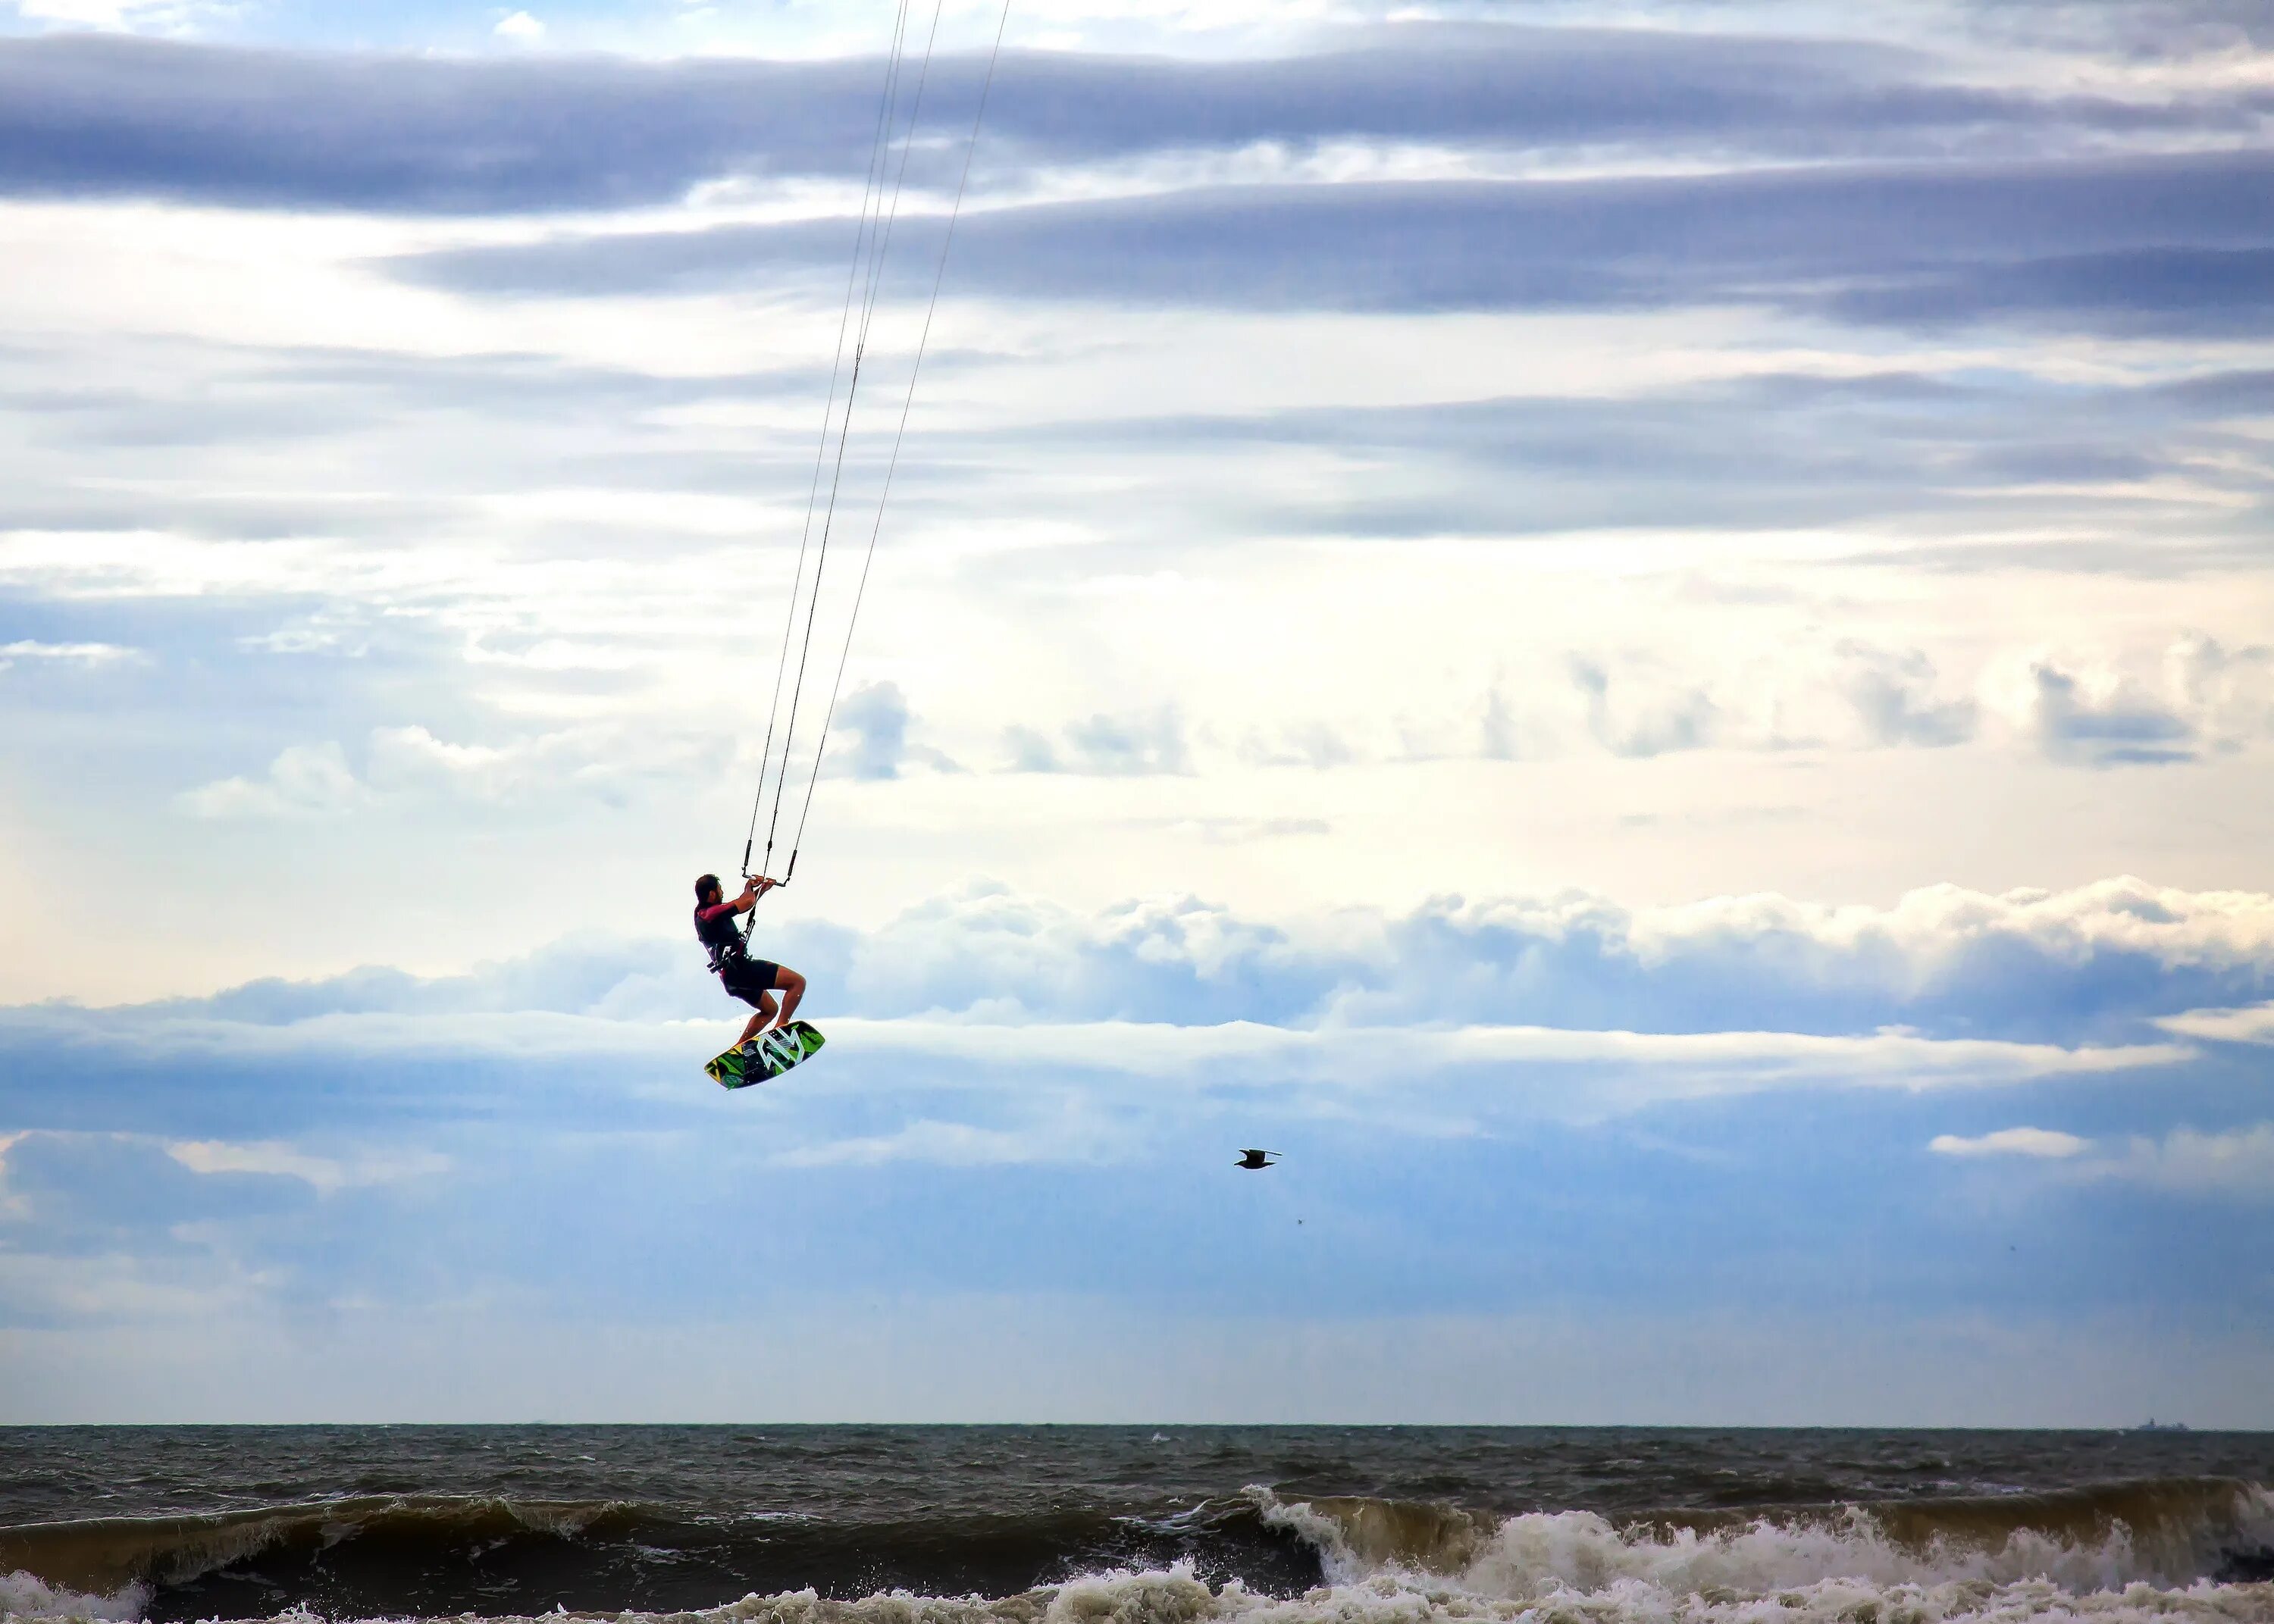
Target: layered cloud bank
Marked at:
1973, 1067
1459, 1017
2113, 960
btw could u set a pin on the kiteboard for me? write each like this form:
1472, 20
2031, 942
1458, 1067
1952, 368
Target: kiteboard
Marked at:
776, 1051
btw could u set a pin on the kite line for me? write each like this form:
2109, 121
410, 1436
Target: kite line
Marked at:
872, 240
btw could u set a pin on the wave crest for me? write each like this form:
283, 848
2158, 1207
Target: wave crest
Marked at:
111, 1554
2162, 1532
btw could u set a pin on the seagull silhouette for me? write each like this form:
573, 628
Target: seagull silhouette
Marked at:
1253, 1159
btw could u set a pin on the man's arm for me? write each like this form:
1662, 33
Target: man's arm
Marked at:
754, 887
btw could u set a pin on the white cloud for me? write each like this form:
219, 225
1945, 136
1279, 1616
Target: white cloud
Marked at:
408, 757
2239, 1163
305, 639
942, 1144
2107, 711
317, 779
579, 759
1936, 924
74, 653
870, 736
11, 1206
324, 1173
93, 13
1895, 700
1239, 830
2099, 717
1317, 745
520, 25
1685, 719
2254, 1024
2045, 1143
1603, 1072
2236, 1164
305, 780
2106, 962
1106, 746
1659, 1065
121, 1286
2229, 691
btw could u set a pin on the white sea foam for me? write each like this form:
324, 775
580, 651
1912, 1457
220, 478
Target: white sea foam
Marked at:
23, 1597
1178, 1596
2090, 1548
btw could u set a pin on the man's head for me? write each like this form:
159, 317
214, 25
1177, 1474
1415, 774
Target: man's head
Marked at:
707, 891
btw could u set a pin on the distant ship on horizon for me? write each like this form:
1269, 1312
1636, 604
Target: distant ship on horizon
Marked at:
2153, 1425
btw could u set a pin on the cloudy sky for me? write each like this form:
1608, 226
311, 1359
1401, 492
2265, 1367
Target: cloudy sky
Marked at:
1637, 631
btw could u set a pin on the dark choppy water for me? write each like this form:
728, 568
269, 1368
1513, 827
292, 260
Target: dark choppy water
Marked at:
1173, 1525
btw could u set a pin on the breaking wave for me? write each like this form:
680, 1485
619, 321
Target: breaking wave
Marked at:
2187, 1551
2164, 1532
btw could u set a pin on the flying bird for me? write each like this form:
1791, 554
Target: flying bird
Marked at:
1253, 1159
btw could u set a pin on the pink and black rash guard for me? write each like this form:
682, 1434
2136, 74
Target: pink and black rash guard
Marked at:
716, 926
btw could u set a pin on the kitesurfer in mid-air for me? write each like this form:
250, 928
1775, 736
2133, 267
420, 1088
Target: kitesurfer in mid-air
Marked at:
753, 981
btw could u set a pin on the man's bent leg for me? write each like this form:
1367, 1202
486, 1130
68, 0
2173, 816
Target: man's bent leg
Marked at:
793, 987
764, 1001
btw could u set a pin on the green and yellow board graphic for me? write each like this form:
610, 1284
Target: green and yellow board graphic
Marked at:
776, 1051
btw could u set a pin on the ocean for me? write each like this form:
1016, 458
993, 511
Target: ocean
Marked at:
1136, 1525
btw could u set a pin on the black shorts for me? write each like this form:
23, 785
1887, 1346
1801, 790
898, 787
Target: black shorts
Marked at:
749, 979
